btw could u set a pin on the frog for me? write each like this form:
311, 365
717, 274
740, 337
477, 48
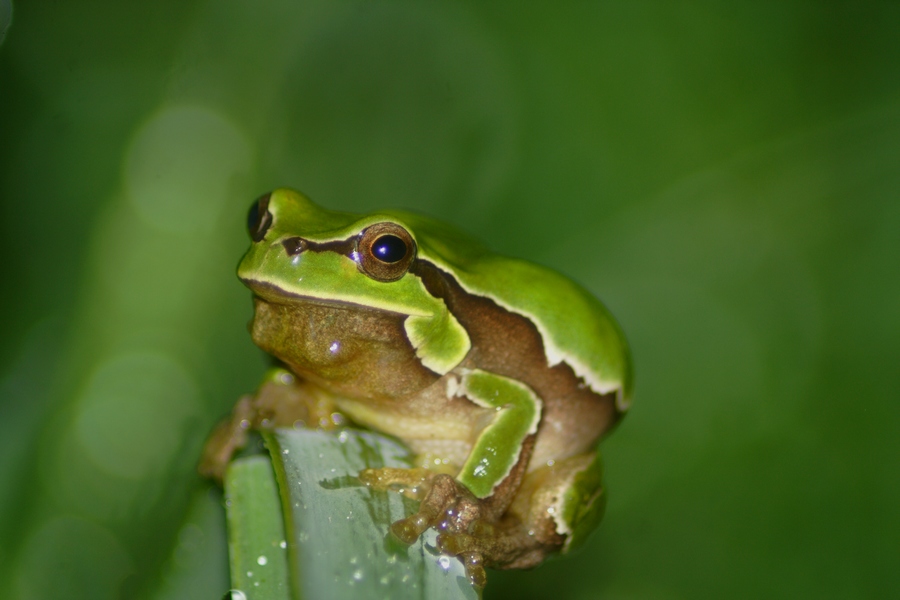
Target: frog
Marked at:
500, 375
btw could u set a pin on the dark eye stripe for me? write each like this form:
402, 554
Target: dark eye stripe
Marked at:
295, 245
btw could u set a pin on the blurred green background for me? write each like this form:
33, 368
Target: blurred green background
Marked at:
723, 175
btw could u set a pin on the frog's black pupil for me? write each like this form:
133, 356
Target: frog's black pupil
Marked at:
389, 248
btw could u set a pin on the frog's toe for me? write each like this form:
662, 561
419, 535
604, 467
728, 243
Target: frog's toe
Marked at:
474, 564
409, 529
447, 505
410, 482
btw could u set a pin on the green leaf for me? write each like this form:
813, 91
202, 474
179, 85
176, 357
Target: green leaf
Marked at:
336, 529
256, 540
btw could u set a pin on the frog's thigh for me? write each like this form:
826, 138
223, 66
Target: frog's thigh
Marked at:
566, 498
499, 445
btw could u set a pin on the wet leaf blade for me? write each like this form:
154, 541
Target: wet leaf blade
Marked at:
337, 529
256, 538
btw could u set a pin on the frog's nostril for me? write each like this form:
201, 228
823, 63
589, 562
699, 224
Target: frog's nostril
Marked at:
295, 245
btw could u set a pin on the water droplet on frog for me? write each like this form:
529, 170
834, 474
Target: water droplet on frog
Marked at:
283, 544
285, 451
358, 575
234, 595
262, 560
385, 580
342, 437
249, 573
444, 562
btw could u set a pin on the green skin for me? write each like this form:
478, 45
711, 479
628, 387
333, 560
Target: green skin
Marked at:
501, 375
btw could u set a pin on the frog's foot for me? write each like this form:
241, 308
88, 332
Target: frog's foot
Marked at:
414, 483
453, 510
469, 530
507, 544
444, 501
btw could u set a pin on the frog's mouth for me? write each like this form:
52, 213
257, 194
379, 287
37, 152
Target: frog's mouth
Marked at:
264, 291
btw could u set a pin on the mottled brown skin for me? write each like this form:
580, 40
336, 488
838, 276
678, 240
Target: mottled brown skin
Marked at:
375, 379
508, 344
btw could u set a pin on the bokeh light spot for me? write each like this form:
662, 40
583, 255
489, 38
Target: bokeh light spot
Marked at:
68, 557
133, 413
180, 166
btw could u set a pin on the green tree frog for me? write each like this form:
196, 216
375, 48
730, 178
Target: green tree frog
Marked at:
500, 375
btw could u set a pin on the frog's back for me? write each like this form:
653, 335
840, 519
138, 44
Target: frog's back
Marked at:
575, 327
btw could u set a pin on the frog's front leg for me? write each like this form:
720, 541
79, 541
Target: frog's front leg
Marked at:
474, 501
282, 400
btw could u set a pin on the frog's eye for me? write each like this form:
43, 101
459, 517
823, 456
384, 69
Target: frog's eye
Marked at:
385, 251
259, 219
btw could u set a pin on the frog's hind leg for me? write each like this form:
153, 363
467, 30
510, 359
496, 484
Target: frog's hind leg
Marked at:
566, 498
555, 509
468, 532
